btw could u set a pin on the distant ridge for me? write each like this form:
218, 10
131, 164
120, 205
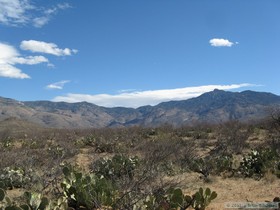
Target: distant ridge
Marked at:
213, 107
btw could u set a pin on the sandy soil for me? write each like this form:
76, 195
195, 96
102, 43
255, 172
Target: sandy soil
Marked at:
228, 189
232, 189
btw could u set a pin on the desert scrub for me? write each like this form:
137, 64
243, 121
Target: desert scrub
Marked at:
202, 199
116, 167
174, 198
258, 162
87, 190
13, 178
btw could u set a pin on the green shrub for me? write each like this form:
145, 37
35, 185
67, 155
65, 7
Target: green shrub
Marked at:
202, 199
35, 201
223, 163
13, 178
174, 198
170, 199
32, 201
7, 143
257, 162
117, 167
88, 191
56, 151
201, 166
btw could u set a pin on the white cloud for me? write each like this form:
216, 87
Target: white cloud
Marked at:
57, 85
14, 12
64, 6
7, 53
10, 71
141, 98
48, 14
44, 47
40, 21
220, 43
30, 60
20, 12
127, 91
9, 57
75, 51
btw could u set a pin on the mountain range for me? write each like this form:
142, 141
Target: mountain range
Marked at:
213, 107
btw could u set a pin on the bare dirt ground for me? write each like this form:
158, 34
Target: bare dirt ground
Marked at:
228, 189
232, 189
83, 159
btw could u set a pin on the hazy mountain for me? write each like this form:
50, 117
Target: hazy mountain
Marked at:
213, 107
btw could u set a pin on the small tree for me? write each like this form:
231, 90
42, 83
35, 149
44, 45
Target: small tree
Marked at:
233, 137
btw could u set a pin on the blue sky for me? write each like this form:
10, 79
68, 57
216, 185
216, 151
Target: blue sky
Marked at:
137, 52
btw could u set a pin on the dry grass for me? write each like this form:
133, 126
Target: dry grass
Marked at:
231, 189
160, 145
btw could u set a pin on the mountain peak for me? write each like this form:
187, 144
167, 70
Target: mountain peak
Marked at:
218, 90
216, 93
213, 107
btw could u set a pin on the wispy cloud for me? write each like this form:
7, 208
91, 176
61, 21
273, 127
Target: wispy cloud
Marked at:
14, 12
48, 14
30, 60
41, 21
45, 47
220, 42
57, 85
9, 57
127, 91
150, 97
23, 12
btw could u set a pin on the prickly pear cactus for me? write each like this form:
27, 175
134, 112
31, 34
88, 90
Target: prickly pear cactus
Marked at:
35, 201
203, 199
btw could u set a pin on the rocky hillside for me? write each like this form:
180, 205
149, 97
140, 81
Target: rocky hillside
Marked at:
213, 107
